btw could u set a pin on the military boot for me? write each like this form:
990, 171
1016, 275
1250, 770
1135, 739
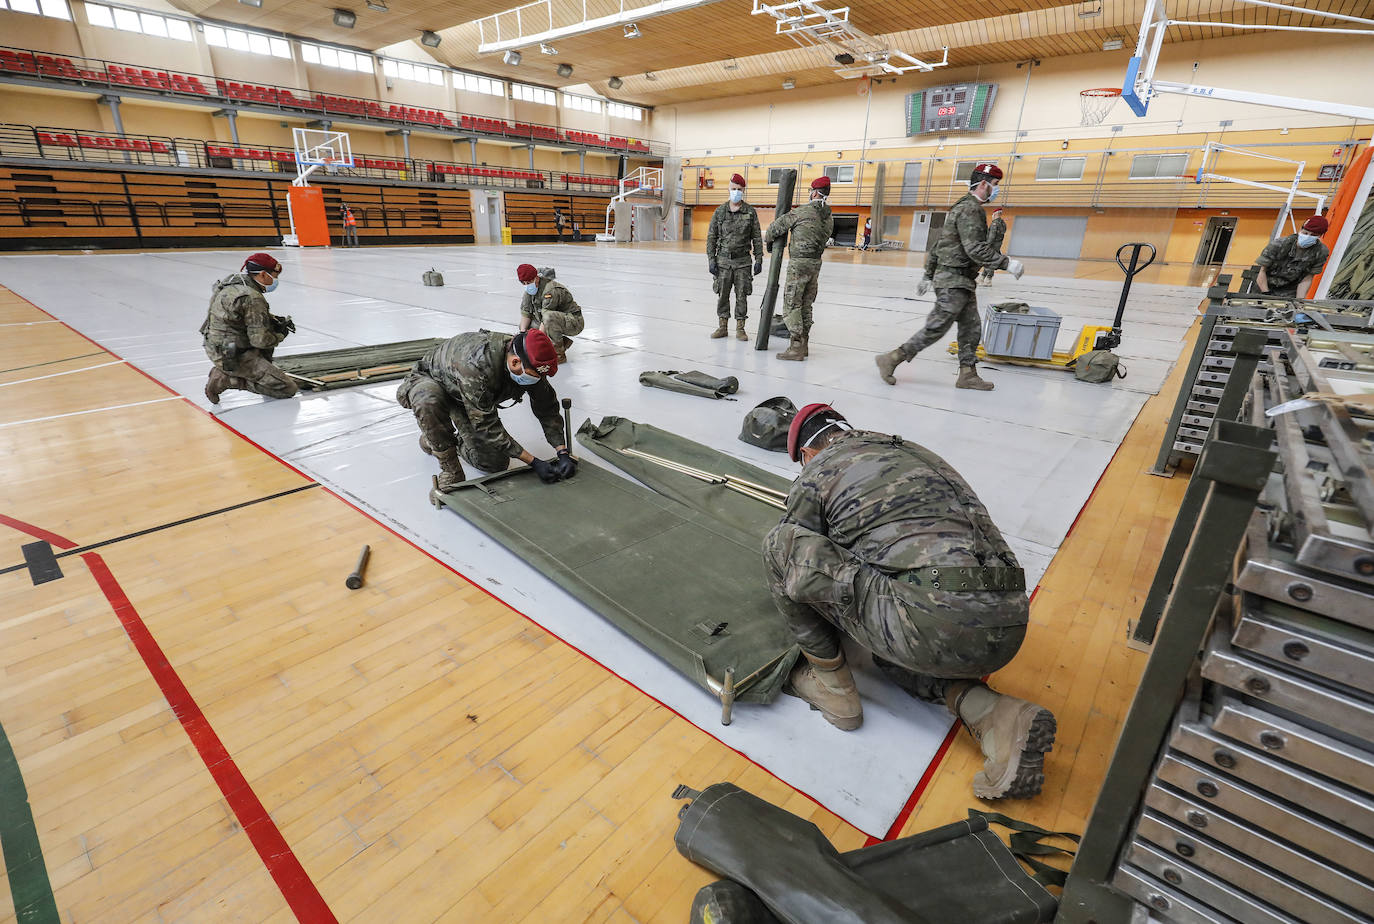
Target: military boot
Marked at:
216, 384
795, 351
806, 344
968, 378
722, 328
1014, 735
451, 473
828, 685
887, 365
740, 332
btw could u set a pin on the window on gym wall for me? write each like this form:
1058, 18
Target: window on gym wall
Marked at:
1060, 168
336, 57
252, 42
56, 9
622, 111
474, 83
840, 174
533, 94
775, 175
581, 103
963, 170
98, 14
420, 73
1158, 166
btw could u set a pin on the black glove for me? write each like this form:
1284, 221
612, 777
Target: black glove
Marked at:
711, 267
758, 266
768, 246
545, 470
283, 325
565, 465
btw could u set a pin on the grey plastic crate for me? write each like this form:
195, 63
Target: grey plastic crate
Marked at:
1029, 336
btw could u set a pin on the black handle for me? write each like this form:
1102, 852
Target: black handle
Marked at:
567, 423
1133, 269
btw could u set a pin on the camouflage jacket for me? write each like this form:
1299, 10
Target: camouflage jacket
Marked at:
963, 247
997, 232
472, 370
1286, 264
238, 319
895, 505
552, 296
733, 234
811, 227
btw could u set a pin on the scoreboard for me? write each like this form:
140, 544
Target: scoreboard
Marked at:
961, 107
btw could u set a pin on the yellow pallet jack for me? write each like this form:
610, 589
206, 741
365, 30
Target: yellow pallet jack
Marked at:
1091, 337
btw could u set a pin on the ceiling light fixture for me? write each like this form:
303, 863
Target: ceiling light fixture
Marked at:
650, 75
789, 84
631, 30
547, 49
345, 19
512, 58
430, 39
844, 58
1089, 8
256, 3
564, 70
731, 65
615, 83
377, 6
1112, 44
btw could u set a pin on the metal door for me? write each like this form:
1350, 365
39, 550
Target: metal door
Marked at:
911, 183
1216, 241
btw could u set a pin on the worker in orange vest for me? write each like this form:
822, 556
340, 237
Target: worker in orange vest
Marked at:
350, 228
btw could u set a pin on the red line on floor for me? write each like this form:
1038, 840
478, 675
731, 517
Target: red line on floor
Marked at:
905, 814
296, 886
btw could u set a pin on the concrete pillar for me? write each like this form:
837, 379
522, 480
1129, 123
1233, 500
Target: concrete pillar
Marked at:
405, 140
113, 103
233, 117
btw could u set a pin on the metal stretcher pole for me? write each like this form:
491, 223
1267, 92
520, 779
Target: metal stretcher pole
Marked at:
770, 496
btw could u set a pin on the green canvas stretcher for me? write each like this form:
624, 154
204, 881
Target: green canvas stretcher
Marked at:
351, 366
679, 571
691, 383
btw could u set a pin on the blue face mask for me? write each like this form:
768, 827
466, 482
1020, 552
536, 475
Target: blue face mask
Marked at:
736, 195
521, 379
1306, 240
993, 195
532, 288
273, 286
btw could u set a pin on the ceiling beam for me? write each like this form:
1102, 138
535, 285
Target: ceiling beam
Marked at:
624, 17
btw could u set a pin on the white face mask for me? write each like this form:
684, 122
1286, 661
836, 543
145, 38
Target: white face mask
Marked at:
532, 288
1306, 240
522, 379
736, 195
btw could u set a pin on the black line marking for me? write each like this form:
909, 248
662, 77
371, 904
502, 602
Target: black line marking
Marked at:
53, 362
182, 522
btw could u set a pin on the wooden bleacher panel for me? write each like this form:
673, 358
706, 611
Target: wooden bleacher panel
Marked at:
530, 217
60, 208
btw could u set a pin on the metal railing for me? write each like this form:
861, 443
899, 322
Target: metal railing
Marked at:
82, 146
73, 70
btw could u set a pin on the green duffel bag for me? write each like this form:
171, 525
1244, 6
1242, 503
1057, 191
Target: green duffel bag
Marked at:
766, 425
1098, 366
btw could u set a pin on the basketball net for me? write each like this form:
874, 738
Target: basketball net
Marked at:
1096, 103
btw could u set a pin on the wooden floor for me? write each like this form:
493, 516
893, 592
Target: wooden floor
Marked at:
411, 751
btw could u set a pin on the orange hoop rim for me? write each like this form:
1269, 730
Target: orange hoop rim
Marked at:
1101, 91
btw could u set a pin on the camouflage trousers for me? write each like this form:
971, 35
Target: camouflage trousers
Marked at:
737, 279
799, 294
444, 423
952, 306
561, 324
923, 637
254, 371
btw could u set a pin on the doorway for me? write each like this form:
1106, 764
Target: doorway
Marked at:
846, 230
494, 219
1216, 241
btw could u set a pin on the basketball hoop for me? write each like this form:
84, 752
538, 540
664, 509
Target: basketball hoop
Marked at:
1096, 103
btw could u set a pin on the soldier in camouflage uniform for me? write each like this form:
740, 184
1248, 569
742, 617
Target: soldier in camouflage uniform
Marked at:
997, 232
952, 265
734, 232
549, 306
811, 227
1288, 264
882, 541
241, 333
456, 389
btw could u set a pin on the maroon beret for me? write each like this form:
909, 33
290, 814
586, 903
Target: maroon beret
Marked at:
821, 182
526, 273
1315, 225
259, 262
536, 352
737, 180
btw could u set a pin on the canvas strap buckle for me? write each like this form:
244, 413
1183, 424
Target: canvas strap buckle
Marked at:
967, 579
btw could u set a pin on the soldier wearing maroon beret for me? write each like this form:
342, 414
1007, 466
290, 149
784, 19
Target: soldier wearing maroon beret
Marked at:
455, 391
734, 234
1288, 264
240, 332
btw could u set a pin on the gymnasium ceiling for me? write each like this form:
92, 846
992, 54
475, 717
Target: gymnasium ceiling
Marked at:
719, 49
